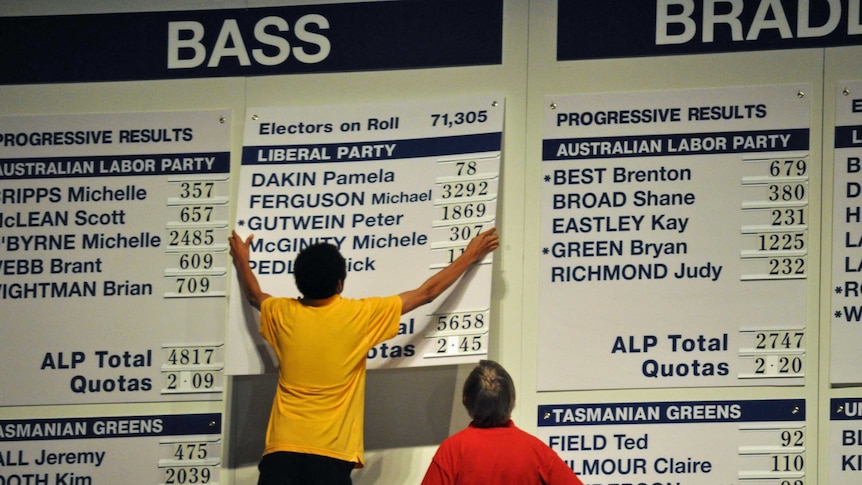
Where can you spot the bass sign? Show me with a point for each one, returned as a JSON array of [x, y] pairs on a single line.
[[270, 46]]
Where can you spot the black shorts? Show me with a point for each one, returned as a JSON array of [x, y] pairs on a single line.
[[285, 468]]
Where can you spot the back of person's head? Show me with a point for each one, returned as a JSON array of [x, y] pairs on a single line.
[[489, 395], [318, 269]]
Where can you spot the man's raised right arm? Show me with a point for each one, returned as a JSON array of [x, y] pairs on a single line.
[[239, 250], [477, 249]]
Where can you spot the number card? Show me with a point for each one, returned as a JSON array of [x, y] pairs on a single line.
[[113, 256], [675, 239], [168, 449], [847, 237], [845, 441], [399, 188], [749, 442]]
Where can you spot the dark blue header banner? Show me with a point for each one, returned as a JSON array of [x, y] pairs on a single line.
[[675, 144], [368, 151], [109, 427], [623, 28], [672, 412], [845, 409], [114, 166], [251, 42], [848, 136]]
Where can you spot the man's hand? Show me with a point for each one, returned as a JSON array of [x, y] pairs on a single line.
[[476, 249], [481, 245], [239, 249]]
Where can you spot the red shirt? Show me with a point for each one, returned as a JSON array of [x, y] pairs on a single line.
[[497, 455]]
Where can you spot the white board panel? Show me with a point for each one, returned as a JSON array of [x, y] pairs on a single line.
[[675, 242], [158, 449], [399, 188], [114, 256], [846, 360], [747, 442], [845, 440]]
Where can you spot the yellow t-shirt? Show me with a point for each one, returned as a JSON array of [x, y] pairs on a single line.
[[319, 405]]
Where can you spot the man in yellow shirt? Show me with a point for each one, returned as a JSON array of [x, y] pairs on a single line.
[[315, 431]]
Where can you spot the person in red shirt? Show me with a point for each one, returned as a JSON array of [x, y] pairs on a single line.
[[492, 449]]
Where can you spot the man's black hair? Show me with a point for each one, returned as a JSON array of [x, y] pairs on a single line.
[[318, 269]]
